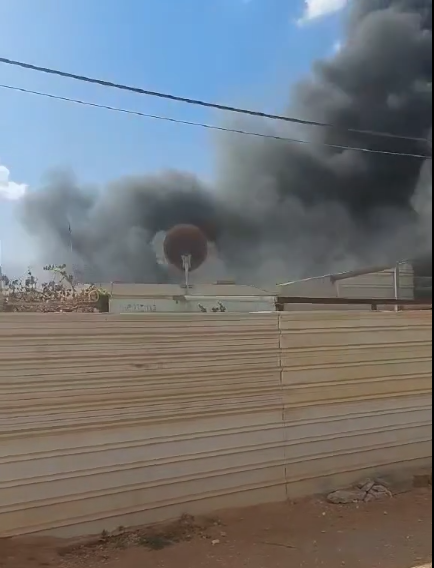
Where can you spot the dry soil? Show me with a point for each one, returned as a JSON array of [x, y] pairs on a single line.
[[390, 534]]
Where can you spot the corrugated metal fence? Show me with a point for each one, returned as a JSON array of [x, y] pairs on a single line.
[[123, 420]]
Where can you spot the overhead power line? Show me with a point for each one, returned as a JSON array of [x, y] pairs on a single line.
[[202, 103], [209, 126]]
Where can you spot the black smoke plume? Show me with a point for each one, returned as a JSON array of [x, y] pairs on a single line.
[[280, 210]]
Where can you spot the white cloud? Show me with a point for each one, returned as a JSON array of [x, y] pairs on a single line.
[[319, 8], [337, 47], [9, 189]]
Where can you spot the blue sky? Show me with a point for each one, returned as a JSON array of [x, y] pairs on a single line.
[[241, 52]]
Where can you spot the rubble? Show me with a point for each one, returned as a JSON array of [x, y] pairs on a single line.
[[366, 492], [59, 295]]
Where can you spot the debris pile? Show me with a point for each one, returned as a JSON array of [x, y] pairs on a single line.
[[60, 294], [153, 538], [365, 492]]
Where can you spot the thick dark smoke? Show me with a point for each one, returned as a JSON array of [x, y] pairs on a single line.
[[280, 210]]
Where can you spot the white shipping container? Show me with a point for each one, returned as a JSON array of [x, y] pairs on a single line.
[[171, 305], [167, 298]]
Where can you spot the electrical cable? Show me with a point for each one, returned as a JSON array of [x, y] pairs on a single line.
[[210, 126], [197, 102]]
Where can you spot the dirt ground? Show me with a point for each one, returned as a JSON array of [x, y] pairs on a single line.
[[390, 534]]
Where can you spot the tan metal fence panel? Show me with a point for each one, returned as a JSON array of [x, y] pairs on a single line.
[[108, 421], [120, 420], [357, 393], [379, 285]]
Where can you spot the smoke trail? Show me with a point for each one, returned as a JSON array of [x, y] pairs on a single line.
[[281, 210], [111, 232]]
